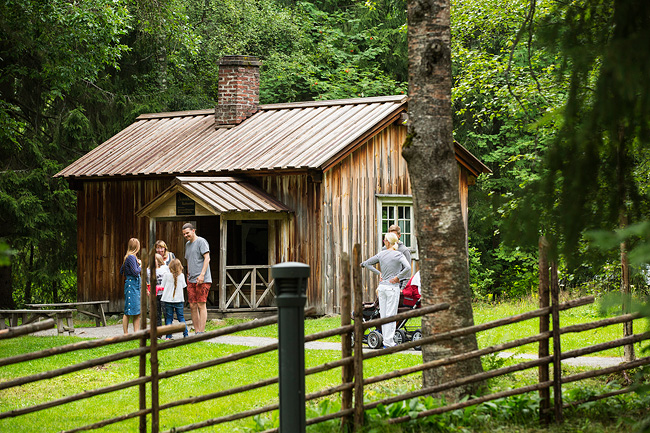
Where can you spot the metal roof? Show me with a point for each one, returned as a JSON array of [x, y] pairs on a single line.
[[220, 195], [303, 135]]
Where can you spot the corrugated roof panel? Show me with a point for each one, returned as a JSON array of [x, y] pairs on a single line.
[[230, 195], [295, 135], [353, 127]]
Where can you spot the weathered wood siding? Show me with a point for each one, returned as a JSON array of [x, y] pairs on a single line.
[[331, 215], [349, 213], [298, 238], [350, 205], [106, 220]]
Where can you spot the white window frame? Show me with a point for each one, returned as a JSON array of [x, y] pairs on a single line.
[[396, 200]]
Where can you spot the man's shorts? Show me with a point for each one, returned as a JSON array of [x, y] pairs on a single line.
[[197, 293]]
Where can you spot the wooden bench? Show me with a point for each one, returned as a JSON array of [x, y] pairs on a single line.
[[29, 316], [97, 308]]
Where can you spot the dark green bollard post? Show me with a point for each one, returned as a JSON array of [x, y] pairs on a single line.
[[291, 282]]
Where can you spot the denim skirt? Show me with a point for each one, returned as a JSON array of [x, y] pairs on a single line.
[[132, 295]]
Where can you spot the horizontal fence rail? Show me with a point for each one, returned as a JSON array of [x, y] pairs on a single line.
[[17, 331], [81, 366], [351, 412]]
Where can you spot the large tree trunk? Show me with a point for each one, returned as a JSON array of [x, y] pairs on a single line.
[[6, 288], [429, 152], [30, 269], [622, 189]]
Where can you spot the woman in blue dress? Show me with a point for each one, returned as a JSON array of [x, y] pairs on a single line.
[[131, 270]]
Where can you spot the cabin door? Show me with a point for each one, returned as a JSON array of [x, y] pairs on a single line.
[[248, 282]]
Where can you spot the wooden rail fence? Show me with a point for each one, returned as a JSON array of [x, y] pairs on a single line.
[[351, 362]]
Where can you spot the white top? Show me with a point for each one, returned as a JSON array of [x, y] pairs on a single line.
[[415, 281], [168, 284]]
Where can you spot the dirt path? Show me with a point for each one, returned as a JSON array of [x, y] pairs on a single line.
[[114, 330]]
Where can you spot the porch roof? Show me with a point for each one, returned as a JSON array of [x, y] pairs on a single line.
[[218, 195]]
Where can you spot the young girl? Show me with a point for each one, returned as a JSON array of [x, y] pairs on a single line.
[[173, 284], [131, 270], [161, 270]]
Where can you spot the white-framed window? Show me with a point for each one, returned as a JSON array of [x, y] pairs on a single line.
[[397, 209]]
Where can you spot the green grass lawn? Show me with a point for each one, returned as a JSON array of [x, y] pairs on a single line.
[[487, 312], [247, 371], [197, 383]]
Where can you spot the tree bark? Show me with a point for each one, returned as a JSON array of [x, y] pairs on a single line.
[[543, 351], [6, 288], [433, 171], [30, 269], [628, 329], [622, 189]]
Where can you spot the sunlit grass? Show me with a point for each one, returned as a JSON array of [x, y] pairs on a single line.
[[196, 383], [242, 372], [487, 312]]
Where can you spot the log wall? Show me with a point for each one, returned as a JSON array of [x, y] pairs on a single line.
[[106, 221], [298, 238], [350, 205], [349, 214]]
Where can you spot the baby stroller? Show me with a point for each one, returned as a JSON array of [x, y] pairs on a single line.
[[403, 332]]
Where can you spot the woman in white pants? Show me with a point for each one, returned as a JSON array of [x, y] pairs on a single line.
[[394, 267]]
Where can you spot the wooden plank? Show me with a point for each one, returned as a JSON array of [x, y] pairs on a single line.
[[543, 349], [223, 237], [98, 313], [358, 338], [347, 372], [6, 333], [66, 304], [557, 350]]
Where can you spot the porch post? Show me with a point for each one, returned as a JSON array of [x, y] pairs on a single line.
[[223, 225]]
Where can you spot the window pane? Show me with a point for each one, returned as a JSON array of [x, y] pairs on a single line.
[[399, 213], [384, 219]]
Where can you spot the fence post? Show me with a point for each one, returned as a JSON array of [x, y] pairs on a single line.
[[153, 329], [347, 372], [291, 281], [557, 351], [143, 341], [358, 337], [544, 301]]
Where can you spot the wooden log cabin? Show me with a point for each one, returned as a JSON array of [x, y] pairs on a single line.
[[263, 184]]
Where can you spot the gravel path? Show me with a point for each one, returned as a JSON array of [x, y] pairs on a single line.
[[114, 330]]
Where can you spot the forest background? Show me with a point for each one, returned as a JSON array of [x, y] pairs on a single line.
[[72, 74]]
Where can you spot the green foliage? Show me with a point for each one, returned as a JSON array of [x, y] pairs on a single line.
[[359, 49], [49, 50], [504, 99], [597, 164]]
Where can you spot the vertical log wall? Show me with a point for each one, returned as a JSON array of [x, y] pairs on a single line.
[[106, 220], [350, 205]]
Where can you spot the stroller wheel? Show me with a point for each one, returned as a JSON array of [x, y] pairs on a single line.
[[375, 340], [417, 335], [400, 336]]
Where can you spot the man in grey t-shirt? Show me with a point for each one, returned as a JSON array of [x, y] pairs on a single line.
[[199, 279]]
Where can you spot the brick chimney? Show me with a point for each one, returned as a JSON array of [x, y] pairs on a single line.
[[239, 89]]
